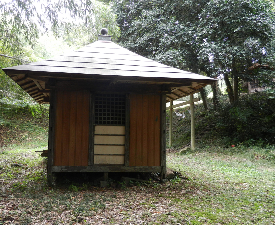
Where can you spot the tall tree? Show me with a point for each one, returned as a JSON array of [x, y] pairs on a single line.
[[239, 33], [162, 30], [217, 37]]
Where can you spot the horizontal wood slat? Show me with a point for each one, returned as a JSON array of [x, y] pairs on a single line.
[[109, 159], [119, 130], [105, 149], [109, 140], [107, 168], [109, 145]]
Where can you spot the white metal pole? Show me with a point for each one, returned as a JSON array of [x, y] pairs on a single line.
[[192, 122]]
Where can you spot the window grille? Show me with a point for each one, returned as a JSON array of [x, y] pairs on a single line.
[[110, 109]]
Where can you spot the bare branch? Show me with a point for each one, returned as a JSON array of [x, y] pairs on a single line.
[[7, 56], [15, 58]]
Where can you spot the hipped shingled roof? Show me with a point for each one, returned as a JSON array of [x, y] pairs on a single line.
[[104, 60]]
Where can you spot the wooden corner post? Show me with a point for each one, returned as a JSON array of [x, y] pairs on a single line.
[[163, 135]]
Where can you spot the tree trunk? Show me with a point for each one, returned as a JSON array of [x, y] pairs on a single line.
[[215, 94], [203, 96], [194, 68], [229, 88], [235, 81], [236, 88]]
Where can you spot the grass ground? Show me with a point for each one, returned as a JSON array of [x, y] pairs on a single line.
[[22, 128], [217, 186]]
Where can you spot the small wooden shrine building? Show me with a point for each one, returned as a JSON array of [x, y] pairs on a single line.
[[107, 107]]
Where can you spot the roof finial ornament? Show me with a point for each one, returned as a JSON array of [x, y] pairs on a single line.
[[104, 35], [104, 31]]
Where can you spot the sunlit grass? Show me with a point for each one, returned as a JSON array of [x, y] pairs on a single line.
[[217, 186], [234, 186], [23, 125], [22, 169]]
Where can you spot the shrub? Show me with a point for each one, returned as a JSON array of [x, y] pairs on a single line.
[[251, 118], [250, 121]]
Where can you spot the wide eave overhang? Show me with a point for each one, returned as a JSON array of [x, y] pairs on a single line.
[[108, 64]]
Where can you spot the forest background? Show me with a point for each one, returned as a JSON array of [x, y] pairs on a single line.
[[227, 179], [229, 40]]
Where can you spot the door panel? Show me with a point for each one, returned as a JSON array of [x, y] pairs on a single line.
[[145, 132], [71, 128]]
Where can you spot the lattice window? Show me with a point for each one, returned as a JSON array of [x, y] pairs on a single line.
[[110, 109]]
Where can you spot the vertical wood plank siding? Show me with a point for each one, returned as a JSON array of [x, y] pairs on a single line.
[[51, 137], [145, 119], [71, 128]]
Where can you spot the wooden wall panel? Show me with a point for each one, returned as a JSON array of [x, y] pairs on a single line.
[[139, 131], [157, 117], [58, 127], [79, 127], [151, 131], [133, 129], [144, 130], [64, 127], [145, 111], [71, 128], [72, 132]]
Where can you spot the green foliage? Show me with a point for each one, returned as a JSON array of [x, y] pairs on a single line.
[[238, 39], [162, 30], [12, 107], [248, 122], [73, 188], [21, 25], [17, 161], [22, 121], [17, 27], [180, 128], [251, 119], [201, 36], [87, 20], [21, 22], [230, 182]]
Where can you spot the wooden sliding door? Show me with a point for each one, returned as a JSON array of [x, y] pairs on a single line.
[[71, 143], [145, 130]]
